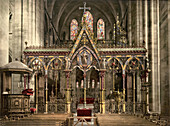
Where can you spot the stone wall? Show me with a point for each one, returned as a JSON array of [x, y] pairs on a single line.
[[26, 25], [4, 40], [165, 62]]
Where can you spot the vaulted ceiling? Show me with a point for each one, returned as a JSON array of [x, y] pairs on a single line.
[[63, 11]]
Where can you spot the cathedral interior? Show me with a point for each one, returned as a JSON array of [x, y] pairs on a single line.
[[80, 56]]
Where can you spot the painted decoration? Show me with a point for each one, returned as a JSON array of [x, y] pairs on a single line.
[[74, 29], [84, 58], [89, 20], [100, 30]]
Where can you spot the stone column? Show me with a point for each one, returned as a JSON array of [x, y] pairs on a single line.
[[137, 23], [73, 83], [129, 24], [68, 91], [36, 93], [46, 91], [146, 25], [140, 23], [10, 82], [103, 90], [134, 92], [25, 81], [124, 106], [169, 50], [84, 75], [56, 88], [29, 77], [138, 88], [100, 93], [129, 91], [113, 81], [143, 91], [155, 51], [4, 83]]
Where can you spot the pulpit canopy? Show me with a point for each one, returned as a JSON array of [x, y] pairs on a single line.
[[16, 67]]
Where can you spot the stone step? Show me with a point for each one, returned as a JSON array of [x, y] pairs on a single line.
[[122, 120], [37, 120]]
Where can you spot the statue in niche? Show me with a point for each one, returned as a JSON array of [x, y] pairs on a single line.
[[84, 57]]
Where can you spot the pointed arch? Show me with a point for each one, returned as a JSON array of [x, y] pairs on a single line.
[[100, 29], [38, 61], [131, 58], [88, 19], [73, 29]]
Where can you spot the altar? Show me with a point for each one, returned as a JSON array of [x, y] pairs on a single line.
[[88, 100], [85, 112]]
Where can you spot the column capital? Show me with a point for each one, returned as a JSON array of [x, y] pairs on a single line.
[[102, 72]]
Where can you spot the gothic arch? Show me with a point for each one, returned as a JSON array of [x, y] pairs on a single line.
[[121, 63], [40, 60], [93, 54], [53, 59], [131, 58], [73, 29], [100, 29]]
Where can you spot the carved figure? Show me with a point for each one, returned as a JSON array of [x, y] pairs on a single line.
[[84, 57]]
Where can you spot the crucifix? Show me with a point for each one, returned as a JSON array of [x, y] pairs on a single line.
[[84, 8]]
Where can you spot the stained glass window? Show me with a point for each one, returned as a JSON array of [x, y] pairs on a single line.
[[100, 29], [88, 20], [74, 29]]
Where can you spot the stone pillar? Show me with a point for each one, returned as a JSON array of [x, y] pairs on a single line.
[[164, 12], [56, 88], [73, 83], [137, 23], [124, 106], [36, 93], [143, 91], [25, 81], [168, 93], [134, 93], [155, 57], [103, 91], [100, 93], [4, 83], [129, 91], [146, 25], [28, 16], [138, 88], [10, 82], [113, 81], [140, 23], [29, 77], [46, 91], [68, 91], [84, 75], [129, 24]]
